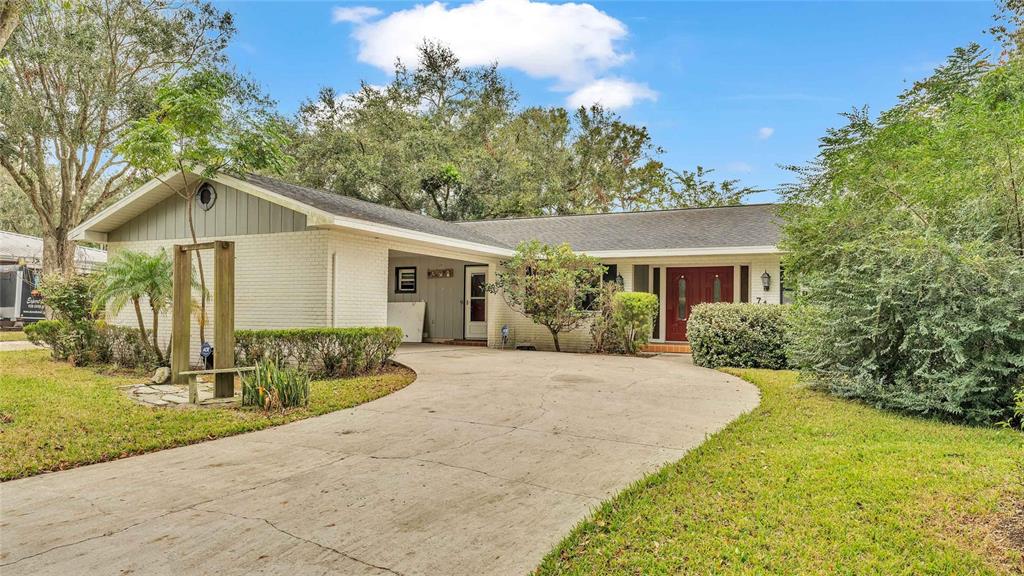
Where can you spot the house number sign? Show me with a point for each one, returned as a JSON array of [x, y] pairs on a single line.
[[441, 273]]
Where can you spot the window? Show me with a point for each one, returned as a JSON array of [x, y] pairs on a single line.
[[785, 292], [716, 292], [405, 280], [656, 289], [611, 274], [206, 196], [744, 283], [681, 309]]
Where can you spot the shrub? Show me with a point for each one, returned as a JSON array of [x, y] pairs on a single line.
[[633, 319], [601, 328], [738, 335], [47, 333], [69, 298], [919, 325], [126, 348], [322, 352], [79, 343], [623, 320], [272, 387]]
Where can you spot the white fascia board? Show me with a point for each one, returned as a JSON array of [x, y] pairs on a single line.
[[653, 253], [406, 234], [82, 231]]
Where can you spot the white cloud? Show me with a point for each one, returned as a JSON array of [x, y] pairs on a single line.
[[573, 44], [612, 93], [357, 14], [765, 132]]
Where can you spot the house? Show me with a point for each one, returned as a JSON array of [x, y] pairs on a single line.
[[21, 262], [307, 257]]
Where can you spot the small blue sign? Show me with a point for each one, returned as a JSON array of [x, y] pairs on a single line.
[[206, 350]]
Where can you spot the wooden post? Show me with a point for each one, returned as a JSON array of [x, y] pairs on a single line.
[[181, 305], [224, 322]]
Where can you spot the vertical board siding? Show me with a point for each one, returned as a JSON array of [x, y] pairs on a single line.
[[444, 296], [235, 213]]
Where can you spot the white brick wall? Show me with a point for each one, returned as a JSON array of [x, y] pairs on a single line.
[[360, 279], [339, 278], [280, 282]]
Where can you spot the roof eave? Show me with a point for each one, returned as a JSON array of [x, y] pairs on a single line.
[[406, 234], [661, 252]]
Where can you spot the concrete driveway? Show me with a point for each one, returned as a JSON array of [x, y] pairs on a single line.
[[478, 467]]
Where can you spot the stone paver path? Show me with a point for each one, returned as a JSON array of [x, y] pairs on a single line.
[[479, 467], [176, 395]]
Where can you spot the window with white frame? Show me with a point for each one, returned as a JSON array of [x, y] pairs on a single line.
[[405, 280]]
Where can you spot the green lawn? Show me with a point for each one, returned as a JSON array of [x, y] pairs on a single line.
[[12, 336], [54, 416], [810, 484]]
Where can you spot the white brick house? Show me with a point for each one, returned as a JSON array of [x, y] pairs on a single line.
[[312, 258]]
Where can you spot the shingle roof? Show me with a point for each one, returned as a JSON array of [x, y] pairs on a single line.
[[721, 227], [360, 209]]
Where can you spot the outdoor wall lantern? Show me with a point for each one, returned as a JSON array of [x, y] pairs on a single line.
[[766, 280]]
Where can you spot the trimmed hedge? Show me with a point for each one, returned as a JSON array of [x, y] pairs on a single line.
[[739, 335], [85, 343], [322, 352]]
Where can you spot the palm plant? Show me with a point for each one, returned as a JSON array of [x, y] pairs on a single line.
[[130, 276]]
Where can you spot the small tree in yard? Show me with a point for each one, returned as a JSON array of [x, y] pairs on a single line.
[[130, 276], [206, 122], [550, 285]]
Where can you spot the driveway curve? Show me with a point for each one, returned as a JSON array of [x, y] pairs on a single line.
[[478, 467]]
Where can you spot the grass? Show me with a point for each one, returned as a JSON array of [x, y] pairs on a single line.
[[810, 484], [54, 416], [18, 336]]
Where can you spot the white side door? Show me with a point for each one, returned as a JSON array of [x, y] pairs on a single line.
[[475, 303]]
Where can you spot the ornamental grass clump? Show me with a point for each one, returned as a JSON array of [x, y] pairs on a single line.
[[271, 387]]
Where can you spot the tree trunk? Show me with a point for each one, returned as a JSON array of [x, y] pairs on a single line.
[[138, 317], [58, 253], [554, 336], [189, 205], [10, 15], [156, 342]]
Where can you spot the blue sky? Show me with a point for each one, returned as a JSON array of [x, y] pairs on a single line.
[[740, 87]]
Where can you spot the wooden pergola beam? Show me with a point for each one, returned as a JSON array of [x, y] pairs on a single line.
[[224, 322], [224, 310], [181, 308]]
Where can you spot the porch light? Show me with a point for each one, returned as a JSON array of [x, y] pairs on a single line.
[[766, 280]]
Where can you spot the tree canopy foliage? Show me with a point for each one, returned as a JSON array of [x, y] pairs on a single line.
[[450, 141], [906, 237], [74, 77]]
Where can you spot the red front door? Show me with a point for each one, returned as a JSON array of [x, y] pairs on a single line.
[[687, 287]]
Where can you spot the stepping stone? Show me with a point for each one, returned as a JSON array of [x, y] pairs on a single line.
[[153, 401], [166, 388], [175, 399]]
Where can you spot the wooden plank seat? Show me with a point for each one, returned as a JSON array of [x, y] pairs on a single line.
[[193, 378]]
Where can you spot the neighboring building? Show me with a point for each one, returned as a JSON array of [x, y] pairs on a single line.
[[21, 260], [306, 257]]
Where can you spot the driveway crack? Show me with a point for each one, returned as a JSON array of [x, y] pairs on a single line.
[[307, 540], [488, 474]]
